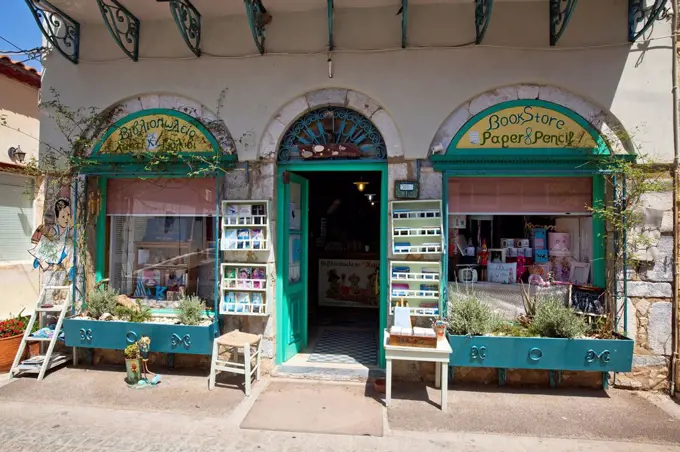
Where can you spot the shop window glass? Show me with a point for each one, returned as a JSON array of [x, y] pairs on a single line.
[[162, 239], [504, 231]]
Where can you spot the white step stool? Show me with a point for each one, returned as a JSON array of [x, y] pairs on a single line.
[[237, 343]]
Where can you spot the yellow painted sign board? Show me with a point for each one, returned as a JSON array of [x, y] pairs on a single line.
[[156, 131], [526, 126]]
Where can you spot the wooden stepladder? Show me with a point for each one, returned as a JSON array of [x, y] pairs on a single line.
[[45, 360]]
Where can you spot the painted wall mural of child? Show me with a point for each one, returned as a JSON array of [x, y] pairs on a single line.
[[53, 242]]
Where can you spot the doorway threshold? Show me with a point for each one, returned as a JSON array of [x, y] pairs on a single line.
[[300, 367]]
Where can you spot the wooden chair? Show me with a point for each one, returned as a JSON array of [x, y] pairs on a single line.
[[237, 343]]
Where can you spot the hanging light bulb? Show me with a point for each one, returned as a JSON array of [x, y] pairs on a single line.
[[361, 185], [372, 203]]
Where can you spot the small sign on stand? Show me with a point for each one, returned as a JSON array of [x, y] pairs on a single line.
[[406, 189]]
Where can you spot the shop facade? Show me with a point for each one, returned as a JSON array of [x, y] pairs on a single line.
[[415, 115]]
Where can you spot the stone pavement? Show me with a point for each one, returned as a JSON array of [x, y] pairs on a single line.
[[83, 425]]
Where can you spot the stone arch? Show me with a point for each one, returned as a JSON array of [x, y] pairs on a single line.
[[340, 97], [601, 119], [215, 125]]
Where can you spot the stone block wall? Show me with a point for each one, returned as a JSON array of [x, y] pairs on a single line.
[[649, 303]]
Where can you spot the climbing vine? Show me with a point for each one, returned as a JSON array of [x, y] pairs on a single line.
[[631, 230]]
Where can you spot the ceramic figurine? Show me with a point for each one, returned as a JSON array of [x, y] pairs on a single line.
[[144, 345], [483, 260], [521, 262]]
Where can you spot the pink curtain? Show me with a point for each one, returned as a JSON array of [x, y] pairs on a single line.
[[162, 197], [520, 194]]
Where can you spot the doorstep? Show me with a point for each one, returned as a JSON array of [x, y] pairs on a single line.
[[327, 372]]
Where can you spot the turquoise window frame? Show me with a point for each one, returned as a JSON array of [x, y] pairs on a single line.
[[531, 162], [107, 166], [102, 239]]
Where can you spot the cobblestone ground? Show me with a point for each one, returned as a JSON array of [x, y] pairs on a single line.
[[75, 419], [39, 427]]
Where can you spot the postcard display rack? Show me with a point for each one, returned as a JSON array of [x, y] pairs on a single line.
[[416, 231], [243, 285]]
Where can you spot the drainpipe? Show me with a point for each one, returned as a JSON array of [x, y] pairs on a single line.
[[676, 199]]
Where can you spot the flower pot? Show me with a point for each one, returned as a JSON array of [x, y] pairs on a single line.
[[133, 367], [9, 346], [379, 385]]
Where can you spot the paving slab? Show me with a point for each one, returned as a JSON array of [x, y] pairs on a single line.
[[106, 387], [613, 415], [87, 428], [349, 409]]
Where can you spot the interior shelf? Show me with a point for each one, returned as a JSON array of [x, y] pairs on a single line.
[[243, 289], [245, 225]]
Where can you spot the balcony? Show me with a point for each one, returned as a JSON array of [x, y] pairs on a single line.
[[66, 23]]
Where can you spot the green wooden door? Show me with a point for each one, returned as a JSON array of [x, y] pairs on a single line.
[[294, 265]]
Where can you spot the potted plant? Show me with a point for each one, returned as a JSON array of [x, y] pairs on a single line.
[[439, 325], [11, 332], [133, 363], [551, 337]]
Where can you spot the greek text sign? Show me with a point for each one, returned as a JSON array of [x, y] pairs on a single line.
[[148, 133], [526, 126]]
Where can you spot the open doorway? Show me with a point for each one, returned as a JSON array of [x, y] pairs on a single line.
[[344, 262]]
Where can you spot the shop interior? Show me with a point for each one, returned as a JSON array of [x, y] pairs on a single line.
[[161, 240], [493, 254], [344, 258]]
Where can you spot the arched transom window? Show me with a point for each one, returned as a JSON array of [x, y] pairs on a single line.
[[332, 133]]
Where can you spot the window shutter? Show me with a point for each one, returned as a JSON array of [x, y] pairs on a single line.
[[16, 217]]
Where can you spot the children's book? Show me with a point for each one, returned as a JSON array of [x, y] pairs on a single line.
[[257, 301], [230, 276], [230, 237], [245, 213], [258, 277], [242, 301], [245, 275], [231, 214], [152, 278], [244, 239], [257, 236], [229, 302], [258, 214]]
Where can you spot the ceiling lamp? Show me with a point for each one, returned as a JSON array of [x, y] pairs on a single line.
[[370, 196], [361, 185]]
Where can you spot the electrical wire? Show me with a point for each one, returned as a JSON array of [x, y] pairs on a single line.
[[469, 45], [10, 43]]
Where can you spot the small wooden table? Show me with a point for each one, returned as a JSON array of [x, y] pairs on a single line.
[[439, 355]]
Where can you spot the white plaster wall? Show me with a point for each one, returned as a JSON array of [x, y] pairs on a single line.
[[419, 88], [19, 105]]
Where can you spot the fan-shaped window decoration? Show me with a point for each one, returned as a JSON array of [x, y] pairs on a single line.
[[332, 133]]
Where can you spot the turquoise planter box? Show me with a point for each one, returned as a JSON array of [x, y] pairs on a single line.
[[596, 355], [194, 340]]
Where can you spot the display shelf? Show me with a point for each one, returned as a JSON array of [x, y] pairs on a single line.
[[397, 294], [418, 214], [417, 227], [243, 289], [418, 232], [425, 248], [245, 225], [415, 277], [416, 283]]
